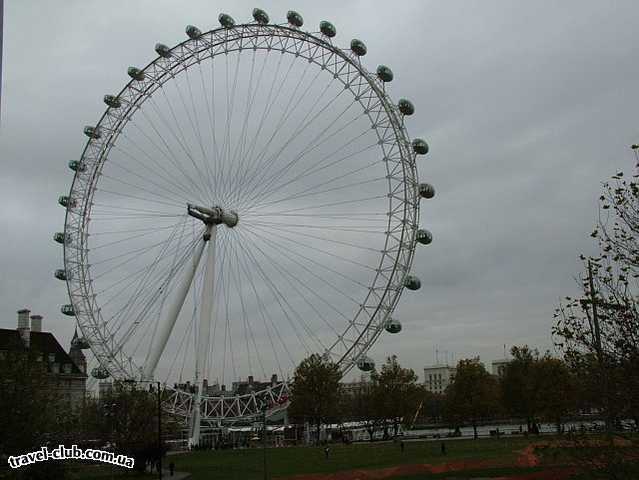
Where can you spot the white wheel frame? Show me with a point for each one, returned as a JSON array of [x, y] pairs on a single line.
[[403, 204]]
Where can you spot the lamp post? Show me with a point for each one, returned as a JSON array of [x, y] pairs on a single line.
[[108, 412], [132, 381], [264, 408]]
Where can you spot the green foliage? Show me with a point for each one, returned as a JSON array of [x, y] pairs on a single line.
[[315, 391], [398, 393], [473, 395], [535, 387], [126, 419], [32, 413], [598, 331], [391, 398]]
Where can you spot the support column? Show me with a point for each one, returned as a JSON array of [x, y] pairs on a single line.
[[168, 322], [204, 333]]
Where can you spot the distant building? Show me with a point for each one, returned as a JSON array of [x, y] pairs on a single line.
[[351, 388], [240, 387], [66, 377], [498, 367], [438, 377]]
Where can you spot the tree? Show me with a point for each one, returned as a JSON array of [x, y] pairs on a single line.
[[602, 323], [535, 387], [397, 392], [519, 385], [472, 395], [556, 384], [315, 391], [127, 420], [366, 406], [32, 412]]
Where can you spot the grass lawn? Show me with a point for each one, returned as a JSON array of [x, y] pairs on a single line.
[[281, 462]]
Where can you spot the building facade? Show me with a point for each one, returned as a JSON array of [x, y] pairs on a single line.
[[438, 377], [498, 367], [65, 378]]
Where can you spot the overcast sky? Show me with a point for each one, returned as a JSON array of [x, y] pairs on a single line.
[[527, 107]]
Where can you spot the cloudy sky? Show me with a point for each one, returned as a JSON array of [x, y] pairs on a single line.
[[527, 107]]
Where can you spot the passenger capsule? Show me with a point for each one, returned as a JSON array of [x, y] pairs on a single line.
[[405, 107], [60, 274], [328, 29], [420, 147], [60, 238], [424, 237], [92, 132], [358, 47], [100, 373], [294, 18], [426, 190], [226, 20], [162, 50], [77, 166], [112, 101], [193, 32], [384, 73], [365, 364], [68, 310], [412, 283], [393, 326], [67, 201], [260, 16], [135, 73]]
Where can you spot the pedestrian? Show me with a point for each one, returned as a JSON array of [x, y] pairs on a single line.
[[401, 446], [171, 468], [326, 451], [443, 448]]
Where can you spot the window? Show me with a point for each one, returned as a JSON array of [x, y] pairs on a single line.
[[51, 357]]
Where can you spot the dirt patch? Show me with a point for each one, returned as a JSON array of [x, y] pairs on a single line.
[[401, 470], [527, 458]]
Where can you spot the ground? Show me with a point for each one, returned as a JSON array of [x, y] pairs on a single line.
[[506, 458]]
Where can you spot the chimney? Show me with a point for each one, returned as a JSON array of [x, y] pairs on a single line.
[[23, 326], [36, 323], [274, 379], [250, 379]]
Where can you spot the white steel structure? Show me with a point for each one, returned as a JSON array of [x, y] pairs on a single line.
[[248, 198]]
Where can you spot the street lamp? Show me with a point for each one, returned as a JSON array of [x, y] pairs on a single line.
[[264, 408], [150, 382]]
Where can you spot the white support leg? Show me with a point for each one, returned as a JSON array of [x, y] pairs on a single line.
[[168, 322], [203, 334]]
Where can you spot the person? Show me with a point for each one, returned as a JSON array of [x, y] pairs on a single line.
[[326, 451], [443, 448], [171, 468], [401, 445]]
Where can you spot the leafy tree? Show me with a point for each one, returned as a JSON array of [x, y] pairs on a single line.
[[557, 387], [519, 385], [127, 420], [397, 394], [366, 406], [32, 413], [473, 394], [602, 323], [316, 391], [538, 387]]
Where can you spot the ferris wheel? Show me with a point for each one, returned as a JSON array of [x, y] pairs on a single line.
[[248, 198]]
